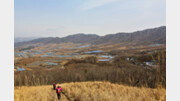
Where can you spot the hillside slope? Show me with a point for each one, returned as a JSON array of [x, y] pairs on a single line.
[[148, 36], [77, 38], [89, 91]]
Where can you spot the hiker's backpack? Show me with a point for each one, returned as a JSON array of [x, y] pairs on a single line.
[[59, 90]]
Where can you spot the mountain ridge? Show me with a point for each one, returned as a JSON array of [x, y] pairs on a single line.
[[151, 35]]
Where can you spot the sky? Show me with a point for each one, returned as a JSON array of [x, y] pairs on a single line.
[[59, 18]]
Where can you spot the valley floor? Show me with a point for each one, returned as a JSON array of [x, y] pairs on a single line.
[[89, 91]]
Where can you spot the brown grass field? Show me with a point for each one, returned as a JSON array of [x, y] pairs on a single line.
[[90, 91]]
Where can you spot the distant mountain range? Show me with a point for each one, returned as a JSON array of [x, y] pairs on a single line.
[[22, 39], [147, 36]]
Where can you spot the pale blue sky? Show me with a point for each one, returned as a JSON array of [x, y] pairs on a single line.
[[44, 18]]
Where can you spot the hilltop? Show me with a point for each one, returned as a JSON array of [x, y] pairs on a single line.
[[147, 36], [90, 91]]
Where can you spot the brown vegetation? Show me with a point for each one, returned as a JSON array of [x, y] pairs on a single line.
[[119, 71], [90, 91]]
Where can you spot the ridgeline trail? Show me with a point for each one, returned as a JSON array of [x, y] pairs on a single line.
[[89, 91], [64, 96]]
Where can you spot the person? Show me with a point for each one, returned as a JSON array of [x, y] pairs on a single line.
[[54, 86], [58, 91]]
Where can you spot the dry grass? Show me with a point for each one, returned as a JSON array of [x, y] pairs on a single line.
[[90, 91]]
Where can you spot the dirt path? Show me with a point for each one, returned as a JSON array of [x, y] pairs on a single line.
[[64, 96], [89, 91]]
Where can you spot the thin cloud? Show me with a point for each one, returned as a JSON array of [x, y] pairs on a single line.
[[91, 4]]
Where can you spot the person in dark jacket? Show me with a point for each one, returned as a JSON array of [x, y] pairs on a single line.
[[54, 86], [58, 91]]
